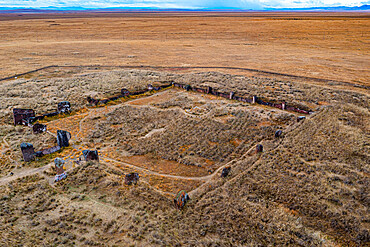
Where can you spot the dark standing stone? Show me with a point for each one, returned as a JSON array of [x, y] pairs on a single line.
[[64, 107], [28, 151], [259, 148], [131, 178], [38, 128], [209, 90], [22, 116], [187, 87], [225, 172], [90, 155], [63, 138], [278, 133]]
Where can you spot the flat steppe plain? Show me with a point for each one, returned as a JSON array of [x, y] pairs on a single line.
[[324, 45], [310, 187]]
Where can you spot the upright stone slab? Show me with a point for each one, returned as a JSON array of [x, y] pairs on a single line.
[[283, 106], [63, 138], [90, 155], [231, 95], [22, 116], [209, 90], [59, 168], [259, 148], [28, 151], [64, 107]]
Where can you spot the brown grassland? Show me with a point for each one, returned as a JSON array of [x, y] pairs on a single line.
[[309, 187]]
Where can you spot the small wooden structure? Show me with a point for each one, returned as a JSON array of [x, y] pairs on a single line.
[[90, 155], [131, 178], [22, 116], [181, 199], [28, 151]]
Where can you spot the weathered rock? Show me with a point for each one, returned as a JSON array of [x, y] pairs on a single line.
[[64, 107], [28, 151], [63, 138], [90, 155], [131, 178], [38, 128], [125, 92], [39, 154]]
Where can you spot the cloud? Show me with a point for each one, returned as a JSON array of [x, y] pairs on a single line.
[[240, 4]]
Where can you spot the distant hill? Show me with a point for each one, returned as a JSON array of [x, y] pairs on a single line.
[[52, 9]]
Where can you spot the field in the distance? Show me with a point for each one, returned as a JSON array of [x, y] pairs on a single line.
[[324, 45]]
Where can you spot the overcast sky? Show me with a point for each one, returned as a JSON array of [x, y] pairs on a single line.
[[242, 4]]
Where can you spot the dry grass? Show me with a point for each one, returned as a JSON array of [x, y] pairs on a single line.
[[325, 45]]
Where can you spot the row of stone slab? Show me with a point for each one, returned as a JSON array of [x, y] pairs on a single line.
[[28, 116], [234, 96], [126, 93]]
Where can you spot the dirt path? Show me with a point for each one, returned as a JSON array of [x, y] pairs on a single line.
[[23, 173]]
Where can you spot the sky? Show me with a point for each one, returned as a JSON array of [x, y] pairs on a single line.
[[191, 4]]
